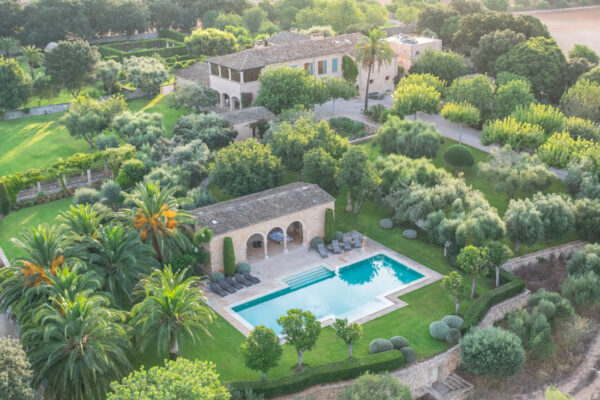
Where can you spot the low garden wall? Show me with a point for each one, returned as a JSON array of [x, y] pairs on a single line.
[[125, 38], [564, 250], [29, 112]]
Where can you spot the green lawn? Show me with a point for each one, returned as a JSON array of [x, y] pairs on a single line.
[[13, 224]]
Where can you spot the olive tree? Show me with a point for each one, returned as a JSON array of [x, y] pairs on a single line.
[[523, 223], [492, 352], [71, 65], [145, 73], [472, 260], [301, 330]]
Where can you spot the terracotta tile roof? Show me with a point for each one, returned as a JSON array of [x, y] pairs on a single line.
[[249, 114], [261, 57], [259, 207]]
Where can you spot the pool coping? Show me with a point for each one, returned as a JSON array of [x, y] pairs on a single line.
[[390, 299]]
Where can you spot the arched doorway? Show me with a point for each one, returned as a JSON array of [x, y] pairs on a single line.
[[255, 248], [225, 100], [235, 103], [276, 242], [295, 234]]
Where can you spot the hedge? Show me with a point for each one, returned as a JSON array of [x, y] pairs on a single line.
[[326, 373], [329, 226], [166, 34], [4, 199], [119, 51], [481, 306], [228, 257]]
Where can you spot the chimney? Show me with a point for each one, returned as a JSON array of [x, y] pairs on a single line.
[[317, 36], [293, 30], [260, 44]]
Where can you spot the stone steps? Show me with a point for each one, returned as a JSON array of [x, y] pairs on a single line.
[[453, 387]]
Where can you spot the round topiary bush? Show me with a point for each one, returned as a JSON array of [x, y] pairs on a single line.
[[86, 195], [314, 242], [458, 156], [453, 336], [399, 342], [453, 321], [410, 356], [438, 330], [216, 277], [243, 267], [386, 223], [339, 236], [380, 345], [493, 352], [409, 234]]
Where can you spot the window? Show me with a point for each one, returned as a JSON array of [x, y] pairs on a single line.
[[235, 75], [322, 67], [251, 75], [334, 65], [214, 69], [371, 81], [224, 72], [309, 68], [387, 78]]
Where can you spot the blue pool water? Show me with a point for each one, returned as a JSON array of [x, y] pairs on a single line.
[[350, 292]]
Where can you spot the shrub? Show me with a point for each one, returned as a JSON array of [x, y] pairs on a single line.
[[438, 330], [414, 139], [458, 156], [339, 236], [380, 345], [371, 386], [103, 142], [492, 352], [228, 257], [216, 277], [374, 112], [409, 234], [131, 172], [399, 342], [551, 119], [85, 195], [314, 242], [582, 290], [453, 321], [409, 354], [347, 127], [512, 132], [244, 267], [111, 191], [4, 199], [333, 372], [15, 371], [329, 226], [453, 336], [386, 223]]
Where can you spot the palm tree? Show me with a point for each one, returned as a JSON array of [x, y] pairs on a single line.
[[158, 220], [173, 308], [373, 49], [121, 259], [32, 56], [8, 44], [83, 220], [77, 347]]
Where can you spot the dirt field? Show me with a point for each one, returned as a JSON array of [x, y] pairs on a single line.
[[573, 26]]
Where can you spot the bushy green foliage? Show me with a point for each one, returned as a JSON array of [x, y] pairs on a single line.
[[461, 113], [334, 372], [582, 51], [145, 73], [411, 98], [492, 352], [250, 164], [453, 336], [85, 195], [453, 321], [414, 139], [347, 127], [349, 69], [510, 96], [4, 199], [585, 260], [459, 156], [582, 100], [329, 226], [409, 354], [493, 45], [399, 342], [314, 242], [210, 42], [557, 214], [386, 223], [380, 345], [189, 379], [13, 85], [376, 387], [587, 219], [438, 330], [320, 167], [197, 97], [580, 127], [582, 290], [104, 142], [130, 173], [139, 128], [71, 64], [549, 118], [262, 350], [111, 191], [477, 91], [446, 65], [228, 257], [561, 149], [216, 277], [301, 330], [425, 79], [524, 223], [512, 132], [210, 128], [15, 370]]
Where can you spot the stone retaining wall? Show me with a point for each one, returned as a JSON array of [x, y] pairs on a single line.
[[564, 250], [43, 110], [498, 311]]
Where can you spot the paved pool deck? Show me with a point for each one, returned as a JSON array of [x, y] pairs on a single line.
[[273, 270]]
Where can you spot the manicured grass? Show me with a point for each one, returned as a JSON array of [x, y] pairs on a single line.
[[14, 223], [160, 104]]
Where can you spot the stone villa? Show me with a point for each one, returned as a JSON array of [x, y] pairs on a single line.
[[265, 224]]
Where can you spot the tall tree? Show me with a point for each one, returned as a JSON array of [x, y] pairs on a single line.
[[477, 91], [32, 56], [523, 223], [453, 284], [77, 347], [497, 254], [71, 64], [582, 100], [358, 175], [283, 88], [510, 96], [472, 260], [13, 85], [461, 113], [262, 350], [371, 50], [196, 97], [411, 98], [8, 45], [174, 308], [493, 45], [339, 89], [301, 330], [349, 333]]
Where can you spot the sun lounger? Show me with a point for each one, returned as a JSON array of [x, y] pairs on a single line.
[[336, 246], [356, 241], [233, 283], [347, 244], [216, 289], [251, 278], [240, 278], [225, 286], [322, 251]]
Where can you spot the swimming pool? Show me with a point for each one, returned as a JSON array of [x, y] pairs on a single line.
[[352, 292]]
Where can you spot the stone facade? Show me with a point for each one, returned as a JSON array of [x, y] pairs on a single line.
[[312, 221], [408, 49]]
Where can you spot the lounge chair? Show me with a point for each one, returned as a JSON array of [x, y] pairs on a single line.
[[251, 278], [336, 246], [322, 251], [225, 286], [356, 241], [347, 244], [216, 289], [233, 283], [240, 278]]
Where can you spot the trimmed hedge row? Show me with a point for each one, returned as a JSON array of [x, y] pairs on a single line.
[[333, 372], [119, 51], [475, 313], [166, 34]]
